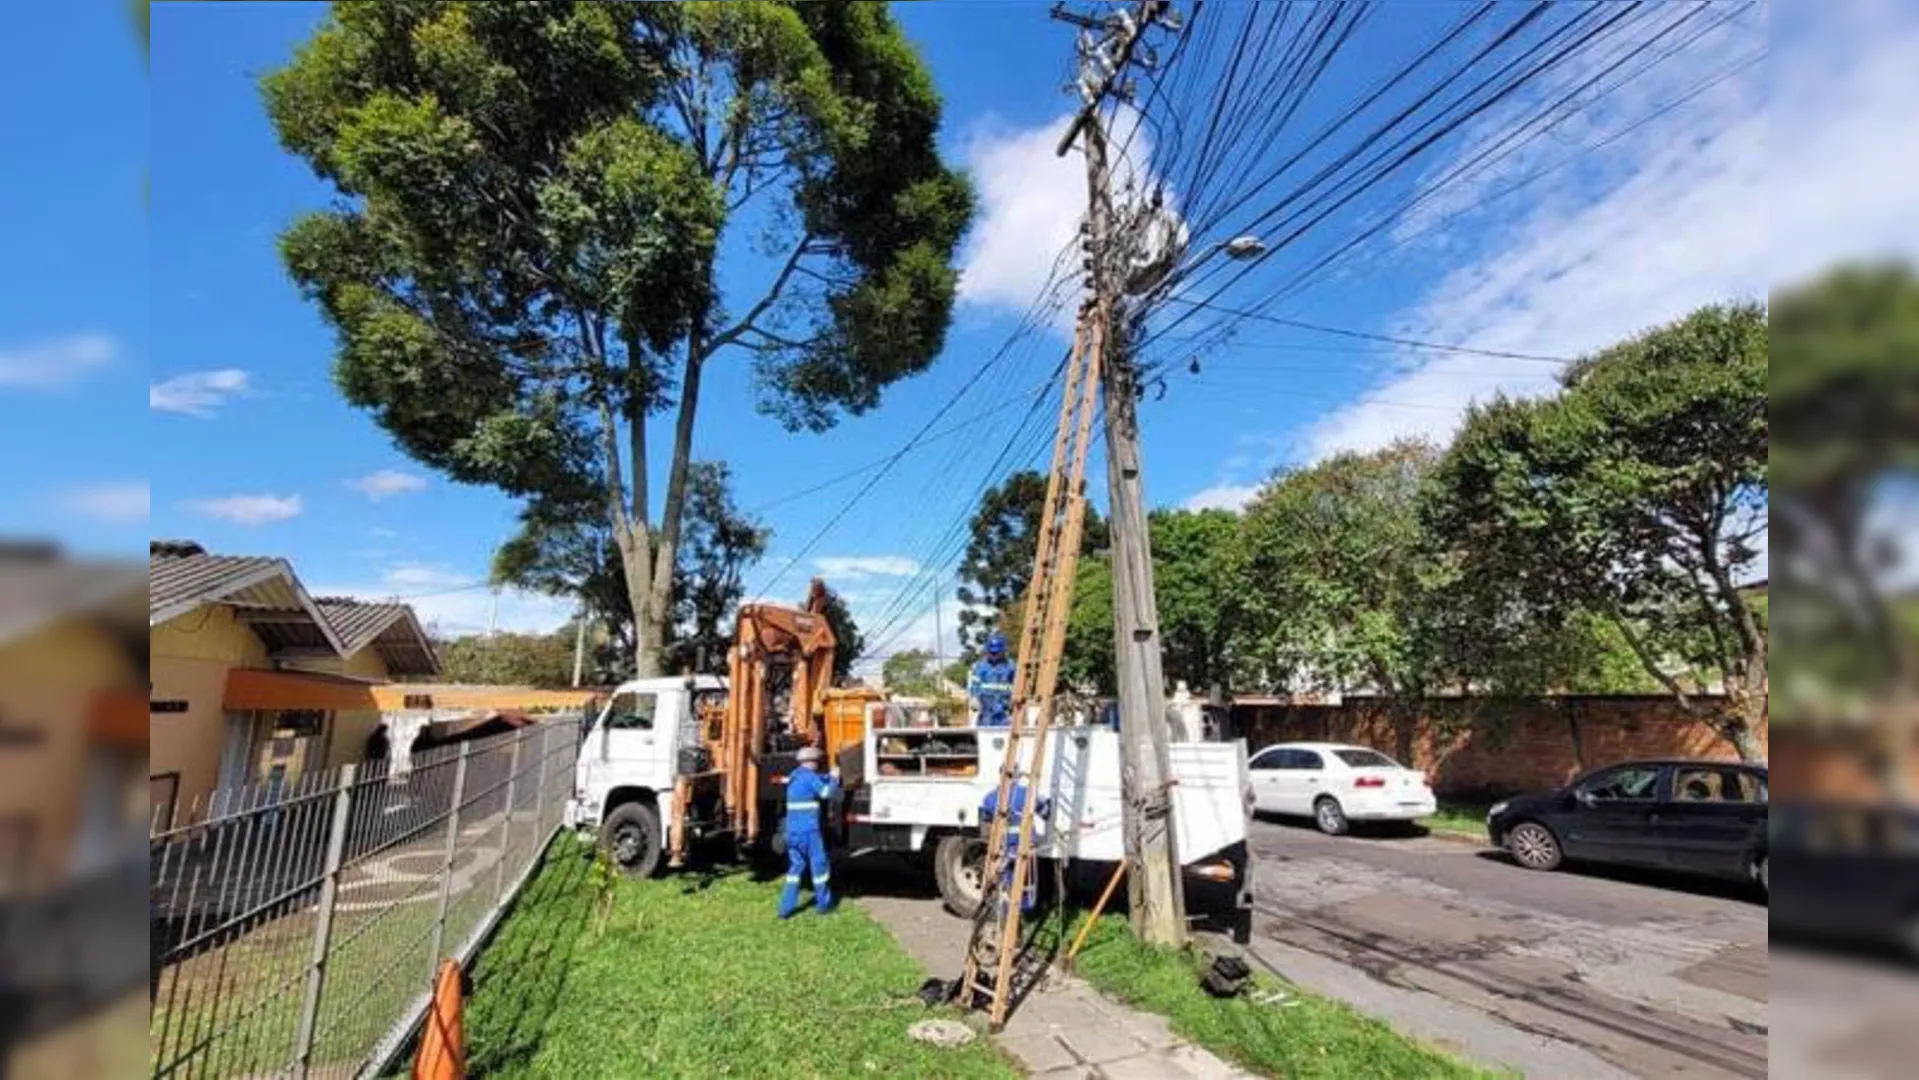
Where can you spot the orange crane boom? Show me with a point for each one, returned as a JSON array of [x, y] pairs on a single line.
[[771, 636]]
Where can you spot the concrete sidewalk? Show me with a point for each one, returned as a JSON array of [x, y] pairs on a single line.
[[1063, 1029]]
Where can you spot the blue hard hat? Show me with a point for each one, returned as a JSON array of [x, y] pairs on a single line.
[[996, 642]]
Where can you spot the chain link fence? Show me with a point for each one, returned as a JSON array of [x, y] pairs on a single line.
[[296, 929]]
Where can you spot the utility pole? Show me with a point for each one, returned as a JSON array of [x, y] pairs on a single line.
[[1154, 882], [579, 645]]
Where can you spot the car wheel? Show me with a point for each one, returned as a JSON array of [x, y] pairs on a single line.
[[958, 864], [632, 839], [1762, 873], [1330, 818], [1534, 846]]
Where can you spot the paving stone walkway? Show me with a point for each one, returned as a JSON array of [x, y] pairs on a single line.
[[1065, 1028]]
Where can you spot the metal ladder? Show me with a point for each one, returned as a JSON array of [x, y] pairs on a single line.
[[993, 951]]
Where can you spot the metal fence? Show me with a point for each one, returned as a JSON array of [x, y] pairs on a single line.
[[296, 930]]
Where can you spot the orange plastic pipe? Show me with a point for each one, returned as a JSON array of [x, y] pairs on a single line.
[[442, 1053]]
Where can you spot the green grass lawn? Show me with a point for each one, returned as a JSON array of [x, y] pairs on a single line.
[[1300, 1037], [1459, 819], [690, 976]]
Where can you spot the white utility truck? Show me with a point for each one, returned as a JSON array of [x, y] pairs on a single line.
[[908, 788]]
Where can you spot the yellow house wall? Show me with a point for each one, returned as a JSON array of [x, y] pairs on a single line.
[[350, 729], [47, 687], [190, 658]]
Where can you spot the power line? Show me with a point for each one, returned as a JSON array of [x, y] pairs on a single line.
[[1388, 339]]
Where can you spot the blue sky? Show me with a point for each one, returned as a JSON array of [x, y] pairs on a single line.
[[247, 447]]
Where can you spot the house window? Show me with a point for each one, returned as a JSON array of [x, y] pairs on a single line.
[[299, 723]]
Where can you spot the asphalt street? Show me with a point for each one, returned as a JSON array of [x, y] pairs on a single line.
[[1572, 974]]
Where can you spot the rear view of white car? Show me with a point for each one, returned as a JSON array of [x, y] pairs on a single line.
[[1336, 785]]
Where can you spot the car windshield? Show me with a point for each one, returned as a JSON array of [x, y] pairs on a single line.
[[1366, 759]]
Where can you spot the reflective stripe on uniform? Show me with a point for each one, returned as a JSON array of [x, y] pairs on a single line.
[[821, 880], [804, 804], [1002, 687], [792, 879]]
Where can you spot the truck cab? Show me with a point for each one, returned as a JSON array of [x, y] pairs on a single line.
[[648, 735]]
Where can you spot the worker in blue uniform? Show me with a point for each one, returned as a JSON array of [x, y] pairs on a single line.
[[991, 684], [1015, 811], [807, 793]]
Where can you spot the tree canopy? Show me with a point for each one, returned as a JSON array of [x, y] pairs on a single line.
[[1334, 577], [1845, 451], [849, 642], [539, 202], [912, 673], [1638, 493], [543, 660], [578, 559], [1003, 539]]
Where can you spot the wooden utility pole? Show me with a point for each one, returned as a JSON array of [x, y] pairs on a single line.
[[579, 644], [1154, 883]]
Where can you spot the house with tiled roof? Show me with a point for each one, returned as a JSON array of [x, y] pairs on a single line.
[[256, 682]]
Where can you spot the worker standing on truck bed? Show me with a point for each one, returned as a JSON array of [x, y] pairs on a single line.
[[807, 793], [991, 684], [1014, 813]]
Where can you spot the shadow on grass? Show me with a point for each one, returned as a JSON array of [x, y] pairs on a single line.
[[518, 980]]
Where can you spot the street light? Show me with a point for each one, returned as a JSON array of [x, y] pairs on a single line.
[[1243, 247]]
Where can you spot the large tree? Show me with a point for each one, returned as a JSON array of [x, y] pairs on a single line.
[[718, 544], [1845, 414], [1195, 559], [1002, 542], [544, 660], [1334, 580], [849, 644], [1193, 552], [578, 558], [912, 673], [539, 203], [1638, 493]]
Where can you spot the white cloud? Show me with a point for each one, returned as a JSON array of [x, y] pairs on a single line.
[[1712, 202], [412, 577], [387, 483], [250, 509], [56, 363], [1666, 219], [453, 603], [1843, 154], [1232, 497], [379, 533], [1030, 203], [130, 501], [197, 393], [864, 566]]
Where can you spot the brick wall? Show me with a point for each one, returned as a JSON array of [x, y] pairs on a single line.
[[1494, 747], [1842, 765]]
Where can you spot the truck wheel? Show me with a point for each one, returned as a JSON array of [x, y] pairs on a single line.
[[957, 864], [632, 838]]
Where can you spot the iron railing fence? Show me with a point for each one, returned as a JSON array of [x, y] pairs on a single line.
[[296, 929]]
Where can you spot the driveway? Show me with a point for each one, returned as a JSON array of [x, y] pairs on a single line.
[[1573, 974]]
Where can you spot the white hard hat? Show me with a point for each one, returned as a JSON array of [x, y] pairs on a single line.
[[809, 754]]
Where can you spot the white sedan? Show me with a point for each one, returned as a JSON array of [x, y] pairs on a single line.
[[1335, 784]]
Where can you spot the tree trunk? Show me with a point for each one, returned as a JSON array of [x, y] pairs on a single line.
[[1741, 725], [636, 566]]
